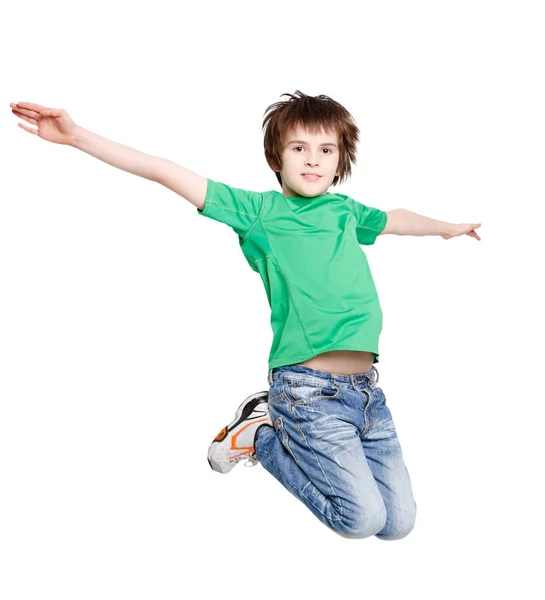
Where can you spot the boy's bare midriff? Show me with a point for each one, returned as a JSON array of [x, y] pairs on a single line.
[[344, 362]]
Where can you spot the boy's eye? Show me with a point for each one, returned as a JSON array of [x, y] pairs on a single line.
[[328, 149]]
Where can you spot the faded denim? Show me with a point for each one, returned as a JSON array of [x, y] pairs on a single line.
[[334, 446]]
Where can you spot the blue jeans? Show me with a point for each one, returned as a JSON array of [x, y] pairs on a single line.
[[334, 446]]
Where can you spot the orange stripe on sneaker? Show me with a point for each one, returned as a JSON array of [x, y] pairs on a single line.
[[234, 438]]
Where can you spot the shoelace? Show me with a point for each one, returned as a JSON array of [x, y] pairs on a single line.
[[252, 459]]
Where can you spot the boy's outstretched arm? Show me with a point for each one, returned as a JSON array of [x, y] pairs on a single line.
[[184, 182], [55, 125], [405, 222]]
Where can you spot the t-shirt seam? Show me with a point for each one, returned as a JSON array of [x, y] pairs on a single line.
[[205, 208], [240, 212], [379, 228], [341, 347], [233, 210], [289, 292], [264, 258], [258, 216], [382, 222]]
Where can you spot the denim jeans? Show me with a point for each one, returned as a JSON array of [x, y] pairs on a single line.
[[334, 446]]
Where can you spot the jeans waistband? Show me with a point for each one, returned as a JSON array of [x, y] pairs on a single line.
[[304, 373]]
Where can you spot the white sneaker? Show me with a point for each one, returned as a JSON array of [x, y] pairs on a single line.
[[236, 440]]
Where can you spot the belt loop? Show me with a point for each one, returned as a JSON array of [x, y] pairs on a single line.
[[269, 377]]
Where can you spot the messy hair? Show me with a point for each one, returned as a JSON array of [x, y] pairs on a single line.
[[313, 113]]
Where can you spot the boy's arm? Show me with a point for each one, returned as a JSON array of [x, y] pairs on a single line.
[[404, 222], [184, 182]]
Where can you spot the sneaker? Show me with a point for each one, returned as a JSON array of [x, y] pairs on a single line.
[[236, 440]]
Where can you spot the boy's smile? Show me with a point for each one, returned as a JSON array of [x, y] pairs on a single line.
[[309, 162]]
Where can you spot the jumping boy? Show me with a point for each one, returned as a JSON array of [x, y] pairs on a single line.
[[323, 428]]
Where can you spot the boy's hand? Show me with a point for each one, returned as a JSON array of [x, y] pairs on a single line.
[[461, 229], [54, 124]]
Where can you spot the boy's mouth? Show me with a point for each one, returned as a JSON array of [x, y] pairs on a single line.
[[310, 176]]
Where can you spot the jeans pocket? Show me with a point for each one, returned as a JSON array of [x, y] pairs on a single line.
[[276, 392], [303, 393]]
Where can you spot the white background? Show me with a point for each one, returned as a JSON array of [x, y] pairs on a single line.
[[131, 329]]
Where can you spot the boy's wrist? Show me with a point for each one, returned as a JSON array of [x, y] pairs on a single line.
[[78, 136], [449, 229]]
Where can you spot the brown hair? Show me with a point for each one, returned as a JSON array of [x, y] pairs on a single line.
[[314, 113]]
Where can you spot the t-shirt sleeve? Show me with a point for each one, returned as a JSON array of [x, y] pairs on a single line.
[[233, 206], [369, 222]]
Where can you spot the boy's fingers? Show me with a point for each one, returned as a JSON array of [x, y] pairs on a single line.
[[36, 107], [25, 111], [29, 129], [22, 116]]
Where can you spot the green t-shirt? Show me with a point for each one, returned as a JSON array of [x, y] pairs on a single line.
[[316, 276]]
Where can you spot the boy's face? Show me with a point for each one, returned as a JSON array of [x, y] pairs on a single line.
[[305, 152]]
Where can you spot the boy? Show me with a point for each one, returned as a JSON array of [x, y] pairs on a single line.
[[323, 428]]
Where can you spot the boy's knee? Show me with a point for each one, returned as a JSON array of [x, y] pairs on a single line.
[[363, 528], [399, 532]]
